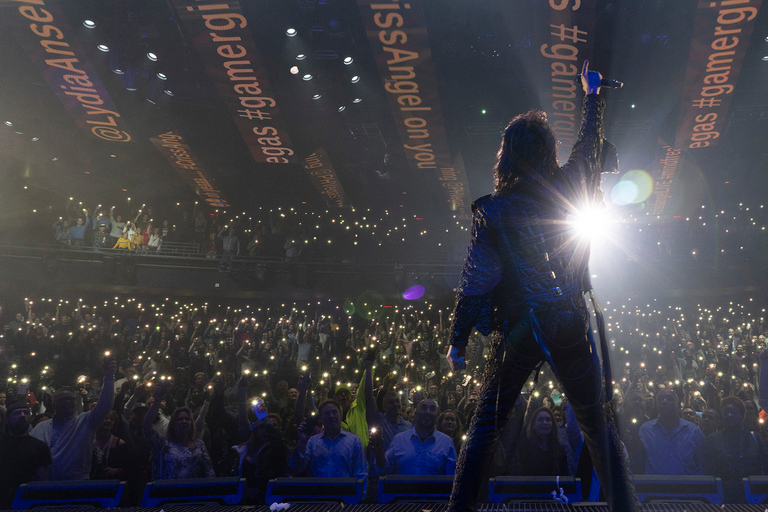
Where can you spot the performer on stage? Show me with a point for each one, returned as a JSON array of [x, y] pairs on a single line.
[[524, 280]]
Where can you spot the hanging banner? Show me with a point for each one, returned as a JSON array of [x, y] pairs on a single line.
[[721, 36], [172, 146], [570, 40], [320, 171], [221, 34], [400, 44], [48, 39]]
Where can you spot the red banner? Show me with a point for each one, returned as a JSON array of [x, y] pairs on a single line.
[[223, 40], [172, 146], [48, 40], [320, 171], [400, 44]]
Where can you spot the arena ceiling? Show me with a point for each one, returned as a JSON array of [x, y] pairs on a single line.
[[241, 103]]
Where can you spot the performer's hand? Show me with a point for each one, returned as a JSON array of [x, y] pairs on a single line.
[[590, 80], [457, 357]]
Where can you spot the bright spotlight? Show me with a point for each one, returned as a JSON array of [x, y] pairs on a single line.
[[307, 77], [589, 222], [342, 108], [152, 56], [89, 23], [291, 32], [103, 48], [316, 97], [355, 79], [348, 60], [294, 70], [357, 100], [162, 76], [301, 56]]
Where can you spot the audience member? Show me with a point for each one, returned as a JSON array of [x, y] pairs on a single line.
[[69, 435], [671, 445], [541, 452], [23, 457]]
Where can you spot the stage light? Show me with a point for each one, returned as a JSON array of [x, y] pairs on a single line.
[[342, 108], [414, 292], [348, 60], [291, 32], [355, 79], [162, 76], [357, 100], [765, 58], [168, 92], [294, 70], [89, 23], [301, 56], [589, 222], [102, 48], [317, 96], [307, 77], [118, 71], [151, 56], [8, 123]]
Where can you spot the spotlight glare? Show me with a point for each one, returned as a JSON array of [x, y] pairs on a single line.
[[162, 76], [151, 56], [8, 123], [589, 222], [291, 32], [342, 108], [307, 77], [765, 58], [89, 23], [118, 71], [102, 48], [357, 100], [294, 70], [301, 56], [168, 92], [317, 97], [348, 60], [355, 79]]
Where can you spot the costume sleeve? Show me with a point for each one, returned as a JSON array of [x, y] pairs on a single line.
[[585, 163], [481, 273]]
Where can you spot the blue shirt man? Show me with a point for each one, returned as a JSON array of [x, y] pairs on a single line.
[[419, 451], [672, 446], [332, 454]]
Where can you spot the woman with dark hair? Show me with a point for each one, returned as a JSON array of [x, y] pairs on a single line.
[[449, 423], [262, 458], [110, 453], [178, 454], [542, 454]]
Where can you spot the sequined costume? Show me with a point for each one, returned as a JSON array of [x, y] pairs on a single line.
[[524, 281]]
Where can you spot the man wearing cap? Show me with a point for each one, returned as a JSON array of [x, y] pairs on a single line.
[[25, 458], [70, 436]]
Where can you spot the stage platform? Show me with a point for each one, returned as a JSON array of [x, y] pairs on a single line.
[[435, 507]]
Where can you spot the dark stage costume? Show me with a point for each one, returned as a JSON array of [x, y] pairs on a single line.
[[524, 281]]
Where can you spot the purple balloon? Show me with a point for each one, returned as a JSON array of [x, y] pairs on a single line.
[[414, 292]]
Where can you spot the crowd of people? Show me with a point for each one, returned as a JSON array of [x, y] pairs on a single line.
[[738, 233], [122, 390]]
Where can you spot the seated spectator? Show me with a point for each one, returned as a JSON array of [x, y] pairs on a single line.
[[734, 452], [540, 453], [671, 445], [179, 453], [24, 458], [69, 435], [110, 453], [331, 454], [423, 450]]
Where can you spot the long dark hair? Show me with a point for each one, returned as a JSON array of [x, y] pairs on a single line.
[[528, 150], [554, 448], [171, 434]]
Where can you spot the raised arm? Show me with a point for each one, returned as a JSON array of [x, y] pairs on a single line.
[[107, 396]]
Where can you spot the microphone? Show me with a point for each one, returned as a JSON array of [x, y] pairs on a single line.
[[608, 84]]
